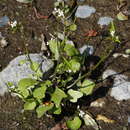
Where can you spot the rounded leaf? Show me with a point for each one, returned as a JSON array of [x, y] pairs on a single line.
[[57, 96], [25, 93], [53, 45], [26, 82], [39, 93], [74, 124], [87, 87], [30, 105], [36, 68], [70, 50], [75, 95], [57, 111], [73, 27], [42, 109], [75, 66]]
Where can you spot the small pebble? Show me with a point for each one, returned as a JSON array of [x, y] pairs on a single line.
[[61, 37], [3, 43], [105, 20], [115, 55], [129, 119], [84, 11], [98, 103], [4, 21], [87, 49]]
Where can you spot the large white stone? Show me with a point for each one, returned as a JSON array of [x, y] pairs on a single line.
[[121, 86], [16, 71]]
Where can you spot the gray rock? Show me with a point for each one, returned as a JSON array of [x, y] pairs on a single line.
[[129, 119], [105, 20], [108, 73], [89, 50], [16, 71], [121, 86], [4, 21], [61, 37], [84, 11], [3, 41]]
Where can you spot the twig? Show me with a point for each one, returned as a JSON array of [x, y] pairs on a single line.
[[88, 73], [39, 16]]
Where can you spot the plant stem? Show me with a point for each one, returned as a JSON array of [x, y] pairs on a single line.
[[89, 73]]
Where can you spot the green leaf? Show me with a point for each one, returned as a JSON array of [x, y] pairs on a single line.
[[74, 124], [30, 105], [39, 93], [112, 29], [60, 68], [116, 39], [79, 84], [75, 95], [57, 111], [47, 83], [9, 84], [36, 68], [75, 66], [73, 27], [26, 82], [53, 45], [22, 62], [42, 109], [127, 51], [70, 50], [57, 96], [87, 87], [24, 1], [25, 93]]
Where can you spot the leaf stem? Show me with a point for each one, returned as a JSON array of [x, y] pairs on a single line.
[[89, 73]]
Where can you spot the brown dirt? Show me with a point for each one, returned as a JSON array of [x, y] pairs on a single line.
[[27, 37]]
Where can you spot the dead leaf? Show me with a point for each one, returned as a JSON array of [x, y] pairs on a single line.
[[122, 16], [43, 46], [105, 119], [91, 33], [98, 103], [89, 121]]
